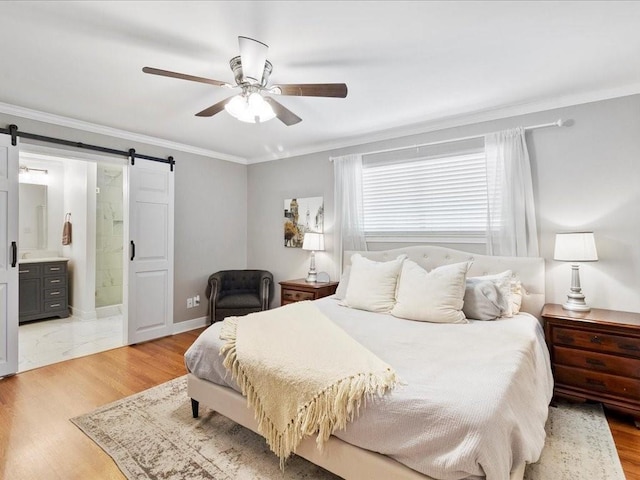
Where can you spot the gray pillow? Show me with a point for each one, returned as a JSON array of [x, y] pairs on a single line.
[[483, 300]]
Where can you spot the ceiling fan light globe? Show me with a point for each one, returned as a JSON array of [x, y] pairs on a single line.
[[255, 102], [266, 112], [236, 106]]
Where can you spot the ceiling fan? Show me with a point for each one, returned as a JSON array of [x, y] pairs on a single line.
[[251, 70]]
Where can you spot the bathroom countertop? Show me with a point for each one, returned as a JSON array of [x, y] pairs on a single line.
[[43, 260]]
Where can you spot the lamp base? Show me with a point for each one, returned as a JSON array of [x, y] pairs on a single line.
[[312, 277], [576, 307], [575, 301], [575, 298]]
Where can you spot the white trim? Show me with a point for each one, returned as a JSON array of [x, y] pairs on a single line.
[[82, 314], [429, 126], [113, 132], [189, 325], [426, 126], [108, 311]]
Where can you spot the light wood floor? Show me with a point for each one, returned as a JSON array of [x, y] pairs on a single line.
[[37, 440]]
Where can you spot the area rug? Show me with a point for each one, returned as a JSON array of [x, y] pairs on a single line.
[[153, 436]]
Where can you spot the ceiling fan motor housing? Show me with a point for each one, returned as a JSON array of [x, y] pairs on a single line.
[[236, 67]]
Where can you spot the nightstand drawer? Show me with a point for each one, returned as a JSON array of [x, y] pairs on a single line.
[[597, 341], [296, 296], [597, 382], [626, 367]]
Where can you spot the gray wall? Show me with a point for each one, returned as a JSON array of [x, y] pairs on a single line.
[[586, 177], [210, 210]]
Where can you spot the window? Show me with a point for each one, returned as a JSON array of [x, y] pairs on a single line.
[[436, 195]]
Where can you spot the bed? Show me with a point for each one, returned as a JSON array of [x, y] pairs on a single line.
[[451, 422]]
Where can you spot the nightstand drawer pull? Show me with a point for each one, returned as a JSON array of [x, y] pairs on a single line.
[[595, 383], [598, 363], [565, 339], [628, 346], [596, 339]]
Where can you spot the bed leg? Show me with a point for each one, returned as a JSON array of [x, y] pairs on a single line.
[[194, 407]]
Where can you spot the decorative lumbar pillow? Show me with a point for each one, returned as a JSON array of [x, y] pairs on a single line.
[[372, 285], [502, 282], [435, 296], [483, 300], [516, 296]]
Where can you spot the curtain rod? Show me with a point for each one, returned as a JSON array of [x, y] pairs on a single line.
[[131, 153], [557, 123]]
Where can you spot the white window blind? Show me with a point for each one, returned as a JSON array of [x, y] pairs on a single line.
[[442, 195]]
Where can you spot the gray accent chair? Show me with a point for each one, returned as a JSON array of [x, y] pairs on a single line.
[[238, 292]]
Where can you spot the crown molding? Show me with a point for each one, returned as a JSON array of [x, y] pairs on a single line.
[[114, 132], [458, 121]]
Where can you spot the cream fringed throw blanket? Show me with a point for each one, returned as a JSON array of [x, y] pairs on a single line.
[[300, 372]]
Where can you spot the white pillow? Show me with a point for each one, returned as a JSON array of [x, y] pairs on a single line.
[[341, 291], [372, 285], [511, 288], [435, 296]]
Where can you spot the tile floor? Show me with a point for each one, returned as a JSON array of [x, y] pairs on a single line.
[[50, 341]]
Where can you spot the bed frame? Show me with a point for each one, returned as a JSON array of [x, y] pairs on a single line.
[[346, 460]]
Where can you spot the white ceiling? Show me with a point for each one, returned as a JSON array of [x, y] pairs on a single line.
[[406, 64]]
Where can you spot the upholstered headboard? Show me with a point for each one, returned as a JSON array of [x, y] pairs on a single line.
[[530, 270]]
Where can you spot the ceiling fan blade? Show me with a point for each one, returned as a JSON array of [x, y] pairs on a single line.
[[213, 109], [338, 90], [167, 73], [253, 55], [285, 115]]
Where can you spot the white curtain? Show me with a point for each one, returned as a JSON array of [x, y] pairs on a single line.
[[348, 214], [511, 218]]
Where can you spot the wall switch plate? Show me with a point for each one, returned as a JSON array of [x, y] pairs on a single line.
[[196, 300], [189, 302]]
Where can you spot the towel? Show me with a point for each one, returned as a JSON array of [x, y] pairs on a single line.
[[66, 230], [301, 373]]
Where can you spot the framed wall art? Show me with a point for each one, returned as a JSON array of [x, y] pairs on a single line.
[[302, 215]]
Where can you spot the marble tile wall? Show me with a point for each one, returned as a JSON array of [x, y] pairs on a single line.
[[109, 239]]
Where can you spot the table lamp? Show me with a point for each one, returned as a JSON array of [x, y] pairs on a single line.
[[314, 242], [575, 247]]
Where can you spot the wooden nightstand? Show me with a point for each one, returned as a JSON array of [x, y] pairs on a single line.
[[595, 356], [297, 290]]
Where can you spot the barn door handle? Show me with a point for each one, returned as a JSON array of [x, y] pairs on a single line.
[[14, 254], [133, 250]]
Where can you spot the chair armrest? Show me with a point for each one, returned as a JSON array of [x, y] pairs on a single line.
[[213, 292], [266, 289]]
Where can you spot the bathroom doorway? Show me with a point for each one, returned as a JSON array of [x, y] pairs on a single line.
[[90, 195]]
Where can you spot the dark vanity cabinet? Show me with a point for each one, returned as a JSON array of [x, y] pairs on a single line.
[[43, 290]]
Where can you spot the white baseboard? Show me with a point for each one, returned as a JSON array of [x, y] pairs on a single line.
[[108, 311], [182, 327], [82, 314]]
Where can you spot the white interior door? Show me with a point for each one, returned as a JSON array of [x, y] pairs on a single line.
[[150, 281], [8, 256]]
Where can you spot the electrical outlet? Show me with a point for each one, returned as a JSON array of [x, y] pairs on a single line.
[[196, 300], [189, 302]]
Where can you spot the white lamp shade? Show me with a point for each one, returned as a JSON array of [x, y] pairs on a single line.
[[575, 247], [313, 241]]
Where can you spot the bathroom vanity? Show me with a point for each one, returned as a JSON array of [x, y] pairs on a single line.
[[43, 288]]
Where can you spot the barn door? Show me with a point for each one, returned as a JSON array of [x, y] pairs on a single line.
[[8, 256], [150, 256]]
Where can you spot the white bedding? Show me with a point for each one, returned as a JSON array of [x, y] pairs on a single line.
[[474, 400]]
